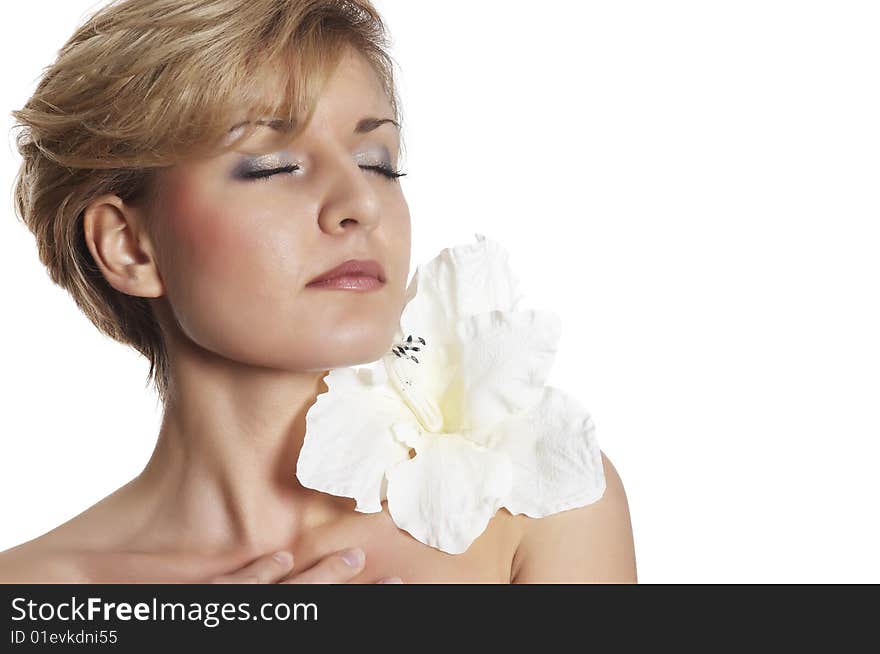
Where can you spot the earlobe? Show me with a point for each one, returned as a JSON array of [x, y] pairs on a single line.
[[121, 248]]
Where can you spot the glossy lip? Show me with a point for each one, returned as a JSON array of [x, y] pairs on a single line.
[[350, 283], [354, 273]]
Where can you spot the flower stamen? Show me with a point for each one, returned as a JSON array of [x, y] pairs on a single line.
[[401, 348], [401, 378]]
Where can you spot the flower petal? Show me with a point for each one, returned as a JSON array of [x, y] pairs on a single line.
[[461, 280], [504, 362], [348, 443], [555, 457], [446, 495]]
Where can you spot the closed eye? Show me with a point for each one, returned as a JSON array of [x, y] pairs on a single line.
[[386, 171]]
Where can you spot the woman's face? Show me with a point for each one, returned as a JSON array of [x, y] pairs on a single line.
[[236, 254]]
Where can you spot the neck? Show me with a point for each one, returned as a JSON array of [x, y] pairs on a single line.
[[222, 477]]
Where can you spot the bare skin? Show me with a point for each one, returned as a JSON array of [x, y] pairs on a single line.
[[225, 263], [591, 544]]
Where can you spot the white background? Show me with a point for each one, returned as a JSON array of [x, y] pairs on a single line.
[[691, 186]]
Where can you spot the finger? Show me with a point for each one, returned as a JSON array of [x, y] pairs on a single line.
[[265, 570], [390, 580], [337, 568]]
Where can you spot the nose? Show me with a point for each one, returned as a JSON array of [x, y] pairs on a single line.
[[350, 200]]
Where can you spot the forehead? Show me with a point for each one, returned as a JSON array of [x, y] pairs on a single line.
[[352, 91], [354, 74]]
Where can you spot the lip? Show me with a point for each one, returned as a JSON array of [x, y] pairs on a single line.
[[352, 274]]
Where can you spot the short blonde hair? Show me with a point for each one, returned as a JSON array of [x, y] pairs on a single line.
[[146, 84]]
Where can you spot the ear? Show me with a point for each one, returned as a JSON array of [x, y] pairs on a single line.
[[116, 236]]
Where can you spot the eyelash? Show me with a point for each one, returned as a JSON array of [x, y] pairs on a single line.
[[385, 171]]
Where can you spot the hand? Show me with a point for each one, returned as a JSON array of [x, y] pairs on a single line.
[[275, 568]]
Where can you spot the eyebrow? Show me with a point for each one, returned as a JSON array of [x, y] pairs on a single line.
[[369, 124], [363, 126]]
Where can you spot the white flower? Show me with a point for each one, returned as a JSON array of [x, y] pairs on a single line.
[[463, 387]]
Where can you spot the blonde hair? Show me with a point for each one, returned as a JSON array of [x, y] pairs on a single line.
[[145, 84]]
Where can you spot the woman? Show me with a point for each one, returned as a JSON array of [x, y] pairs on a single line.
[[189, 169]]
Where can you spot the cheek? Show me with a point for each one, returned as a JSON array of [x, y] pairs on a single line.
[[224, 244], [401, 247], [231, 268], [227, 239]]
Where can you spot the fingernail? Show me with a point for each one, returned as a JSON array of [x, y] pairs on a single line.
[[391, 580], [354, 557], [284, 558]]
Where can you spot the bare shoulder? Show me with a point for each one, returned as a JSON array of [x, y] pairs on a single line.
[[589, 544], [36, 562], [60, 554]]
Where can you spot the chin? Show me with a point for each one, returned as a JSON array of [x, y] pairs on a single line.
[[357, 352], [359, 356]]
